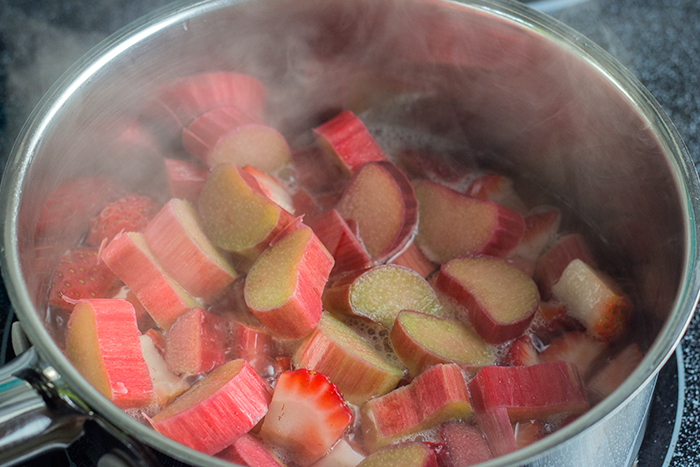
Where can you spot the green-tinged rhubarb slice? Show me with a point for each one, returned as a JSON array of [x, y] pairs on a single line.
[[102, 342], [283, 288], [436, 396], [422, 340], [338, 352], [236, 217], [380, 293]]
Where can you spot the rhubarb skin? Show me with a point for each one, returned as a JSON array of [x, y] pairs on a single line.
[[346, 139], [497, 428], [195, 343], [283, 288], [452, 224], [340, 241], [413, 258], [216, 410], [534, 392], [411, 454], [422, 341], [203, 133], [381, 200], [185, 179], [498, 189], [497, 312], [272, 188], [378, 294], [102, 342], [336, 351], [177, 240], [552, 262], [253, 344], [436, 396], [249, 450], [129, 257], [236, 217]]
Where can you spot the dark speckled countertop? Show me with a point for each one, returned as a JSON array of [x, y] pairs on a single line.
[[658, 41]]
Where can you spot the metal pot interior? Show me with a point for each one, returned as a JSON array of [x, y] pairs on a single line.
[[505, 87]]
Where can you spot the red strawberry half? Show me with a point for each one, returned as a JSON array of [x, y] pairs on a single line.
[[81, 276], [306, 417], [130, 213], [522, 352]]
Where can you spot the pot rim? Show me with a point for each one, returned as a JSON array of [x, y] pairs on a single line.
[[172, 15]]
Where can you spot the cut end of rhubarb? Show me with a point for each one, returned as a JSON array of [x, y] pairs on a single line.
[[380, 199], [500, 300], [452, 224], [411, 454], [422, 340]]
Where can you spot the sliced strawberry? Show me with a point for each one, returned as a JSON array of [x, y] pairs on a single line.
[[551, 321], [307, 415], [522, 352], [130, 213], [81, 276], [68, 209], [575, 347]]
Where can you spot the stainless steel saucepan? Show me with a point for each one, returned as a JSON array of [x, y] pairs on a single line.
[[516, 89]]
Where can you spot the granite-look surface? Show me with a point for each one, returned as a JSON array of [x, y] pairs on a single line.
[[659, 43]]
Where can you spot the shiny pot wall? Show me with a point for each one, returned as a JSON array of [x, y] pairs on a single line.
[[510, 88]]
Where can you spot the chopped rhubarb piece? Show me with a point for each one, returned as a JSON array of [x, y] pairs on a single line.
[[283, 288], [522, 352], [342, 455], [130, 213], [380, 199], [236, 217], [497, 188], [338, 352], [272, 188], [252, 344], [441, 167], [346, 138], [422, 341], [176, 239], [553, 262], [529, 392], [80, 275], [436, 396], [217, 409], [452, 224], [413, 258], [129, 257], [195, 343], [69, 208], [614, 373], [528, 432], [186, 99], [411, 454], [575, 347], [499, 299], [303, 204], [307, 416], [225, 136], [594, 299], [102, 342], [495, 424], [340, 241], [185, 179], [465, 444], [166, 384], [380, 293], [249, 450]]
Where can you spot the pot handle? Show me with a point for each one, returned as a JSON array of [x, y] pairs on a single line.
[[33, 417]]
